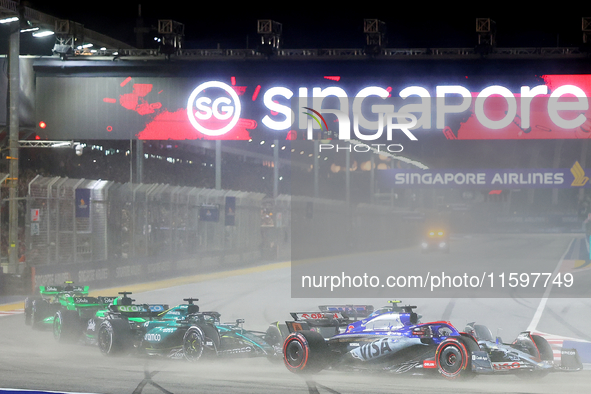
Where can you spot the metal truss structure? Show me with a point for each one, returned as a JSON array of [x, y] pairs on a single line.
[[343, 54], [46, 144]]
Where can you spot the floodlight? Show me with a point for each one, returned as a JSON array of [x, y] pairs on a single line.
[[43, 33], [9, 19]]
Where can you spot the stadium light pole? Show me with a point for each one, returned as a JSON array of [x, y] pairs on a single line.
[[13, 134]]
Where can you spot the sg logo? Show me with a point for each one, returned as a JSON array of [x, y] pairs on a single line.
[[213, 108]]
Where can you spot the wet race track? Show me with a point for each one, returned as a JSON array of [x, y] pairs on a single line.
[[33, 360]]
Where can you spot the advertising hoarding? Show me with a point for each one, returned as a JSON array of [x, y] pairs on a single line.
[[270, 101]]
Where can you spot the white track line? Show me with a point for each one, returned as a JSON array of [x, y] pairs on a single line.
[[542, 305]]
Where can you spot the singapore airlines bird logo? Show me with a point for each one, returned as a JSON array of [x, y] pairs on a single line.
[[579, 174]]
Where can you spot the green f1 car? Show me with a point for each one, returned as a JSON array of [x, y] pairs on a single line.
[[62, 302], [181, 332], [78, 315], [69, 322], [44, 305]]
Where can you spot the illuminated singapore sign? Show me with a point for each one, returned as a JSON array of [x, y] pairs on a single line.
[[167, 108], [495, 107], [505, 109]]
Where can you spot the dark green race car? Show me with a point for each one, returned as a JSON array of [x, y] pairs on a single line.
[[70, 321], [62, 302], [181, 332], [39, 307]]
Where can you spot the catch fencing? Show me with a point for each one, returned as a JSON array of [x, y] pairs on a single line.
[[83, 221]]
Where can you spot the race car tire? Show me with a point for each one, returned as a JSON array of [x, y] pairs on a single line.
[[472, 346], [193, 344], [66, 326], [39, 310], [114, 337], [212, 340], [544, 348], [305, 352], [274, 336], [546, 354], [452, 358]]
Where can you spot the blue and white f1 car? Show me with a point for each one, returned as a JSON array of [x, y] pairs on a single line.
[[393, 339], [390, 339]]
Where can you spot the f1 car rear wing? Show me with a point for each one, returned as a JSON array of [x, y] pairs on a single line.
[[157, 308], [331, 316], [106, 300], [51, 290], [348, 311], [139, 310], [85, 301], [320, 319], [327, 328]]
